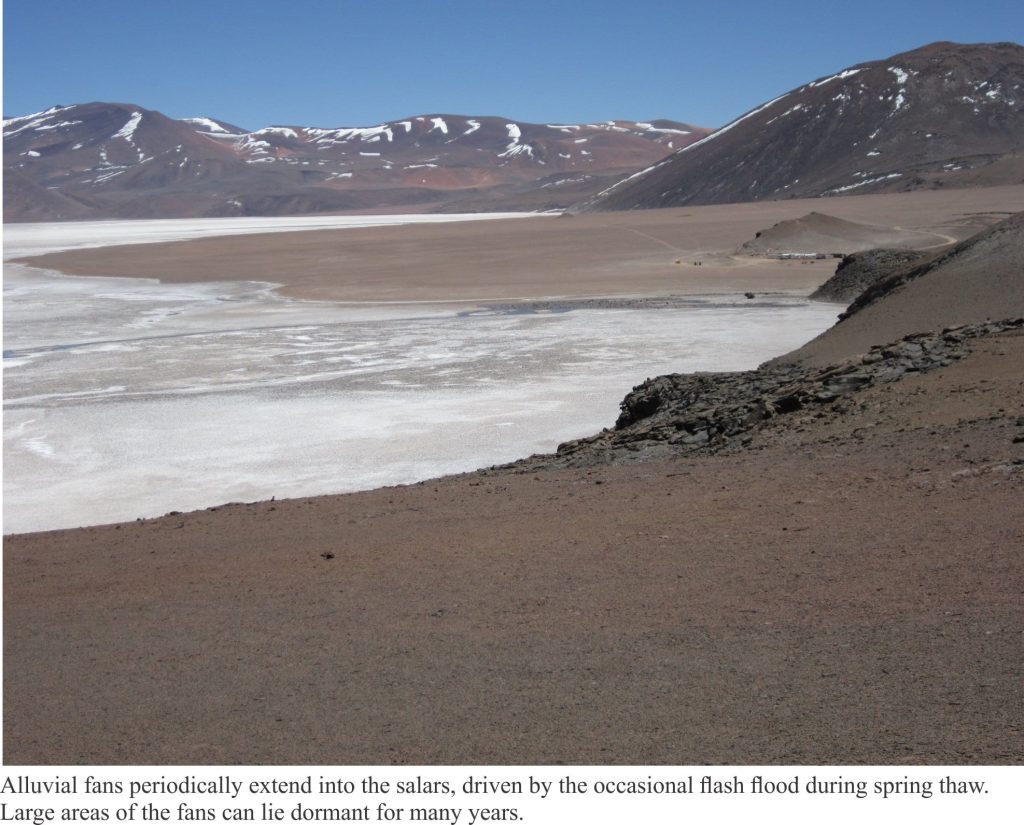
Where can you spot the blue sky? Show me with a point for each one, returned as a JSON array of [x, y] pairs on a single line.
[[337, 62]]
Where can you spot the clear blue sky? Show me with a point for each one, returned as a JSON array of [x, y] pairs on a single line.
[[359, 62]]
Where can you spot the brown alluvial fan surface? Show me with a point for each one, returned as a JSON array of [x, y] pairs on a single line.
[[947, 114], [647, 252], [846, 592], [119, 160], [839, 583]]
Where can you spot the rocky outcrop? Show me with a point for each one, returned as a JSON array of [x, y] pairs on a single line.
[[860, 270], [708, 412]]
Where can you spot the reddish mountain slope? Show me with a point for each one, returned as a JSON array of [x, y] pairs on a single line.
[[119, 160]]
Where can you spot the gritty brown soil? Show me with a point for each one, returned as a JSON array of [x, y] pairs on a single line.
[[846, 590]]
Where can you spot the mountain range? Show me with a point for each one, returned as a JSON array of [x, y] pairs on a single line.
[[946, 114], [113, 160]]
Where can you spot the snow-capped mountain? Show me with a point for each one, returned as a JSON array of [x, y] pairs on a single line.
[[119, 160], [943, 115]]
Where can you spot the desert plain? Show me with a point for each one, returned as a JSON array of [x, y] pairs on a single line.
[[639, 253], [844, 589]]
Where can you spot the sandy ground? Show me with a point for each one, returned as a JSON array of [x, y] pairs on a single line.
[[847, 591], [599, 254]]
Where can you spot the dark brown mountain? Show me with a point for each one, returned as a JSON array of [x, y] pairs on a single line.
[[943, 115], [105, 160]]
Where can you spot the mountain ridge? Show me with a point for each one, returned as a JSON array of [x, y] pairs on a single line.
[[121, 160], [945, 114]]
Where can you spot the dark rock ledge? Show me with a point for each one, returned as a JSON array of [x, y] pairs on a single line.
[[708, 412], [862, 270]]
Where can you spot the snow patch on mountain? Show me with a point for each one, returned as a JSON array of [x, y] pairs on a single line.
[[128, 130], [365, 134], [649, 127], [901, 75], [284, 131], [22, 118], [863, 183], [840, 76], [108, 175], [33, 121], [62, 125], [514, 147], [738, 121], [206, 124], [250, 144], [798, 107], [901, 80]]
